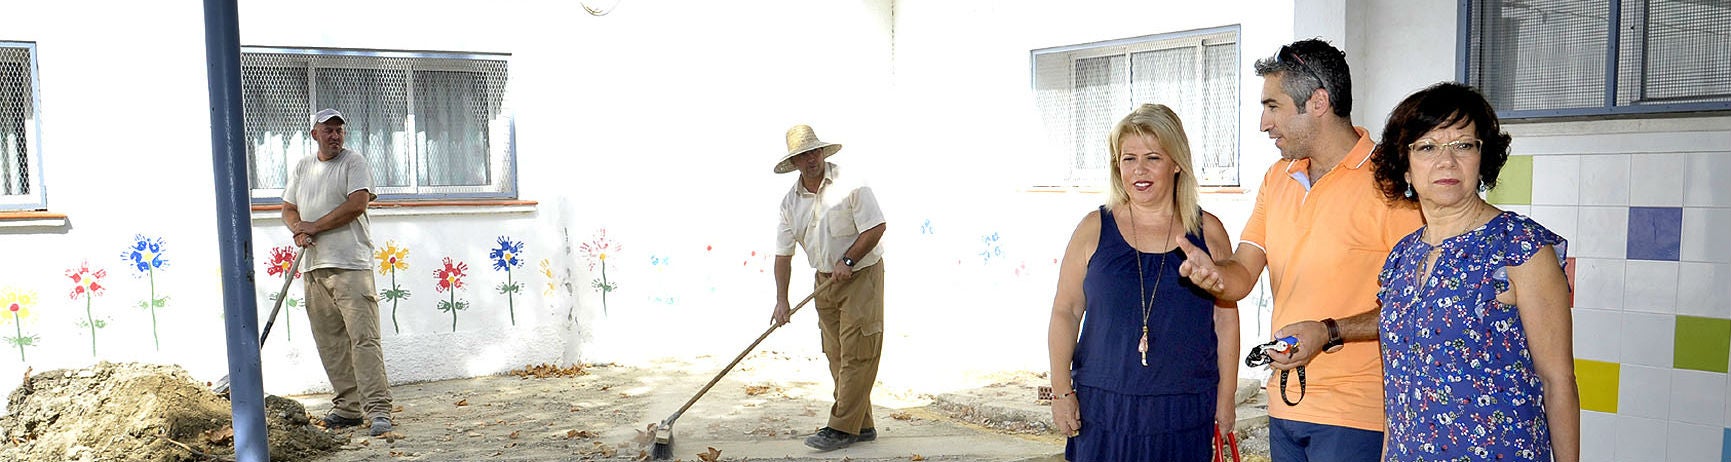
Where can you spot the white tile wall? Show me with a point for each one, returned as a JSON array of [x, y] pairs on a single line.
[[1556, 180], [1694, 443], [1698, 397], [1598, 334], [1640, 440], [1705, 232], [1599, 283], [1705, 183], [1704, 289], [1559, 219], [1607, 232], [1605, 180], [1644, 391], [1653, 180], [1651, 286], [1651, 342], [1598, 436]]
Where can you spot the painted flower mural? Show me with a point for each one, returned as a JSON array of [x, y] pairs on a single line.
[[15, 307], [552, 282], [450, 279], [596, 251], [508, 255], [281, 263], [391, 260], [145, 255], [87, 284]]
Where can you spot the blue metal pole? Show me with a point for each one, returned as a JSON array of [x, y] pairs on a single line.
[[234, 229]]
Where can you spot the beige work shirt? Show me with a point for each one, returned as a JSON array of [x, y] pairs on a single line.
[[827, 222]]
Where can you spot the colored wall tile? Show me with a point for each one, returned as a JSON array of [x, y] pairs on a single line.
[[1514, 183], [1703, 344], [1655, 233], [1725, 454], [1598, 381]]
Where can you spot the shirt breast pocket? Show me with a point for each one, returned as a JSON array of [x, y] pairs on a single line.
[[840, 224]]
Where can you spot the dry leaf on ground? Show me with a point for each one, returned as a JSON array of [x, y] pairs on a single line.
[[712, 455], [754, 390], [901, 415], [463, 402], [545, 370], [917, 458], [514, 434]]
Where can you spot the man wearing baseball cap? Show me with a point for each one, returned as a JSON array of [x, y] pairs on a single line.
[[837, 221], [325, 207]]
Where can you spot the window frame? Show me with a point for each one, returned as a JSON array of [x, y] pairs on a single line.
[[1128, 48], [503, 163], [37, 199], [1613, 46]]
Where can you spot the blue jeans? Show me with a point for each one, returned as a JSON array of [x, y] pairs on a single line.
[[1294, 441]]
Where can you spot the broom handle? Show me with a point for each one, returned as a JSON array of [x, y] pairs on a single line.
[[725, 370], [280, 295]]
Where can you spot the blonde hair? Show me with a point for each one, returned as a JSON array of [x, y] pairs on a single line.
[[1159, 122]]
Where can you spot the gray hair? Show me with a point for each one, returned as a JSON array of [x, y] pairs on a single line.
[[1307, 65]]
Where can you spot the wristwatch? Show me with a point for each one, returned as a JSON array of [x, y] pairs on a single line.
[[847, 261], [1334, 341]]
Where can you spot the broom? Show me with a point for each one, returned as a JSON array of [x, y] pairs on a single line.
[[664, 431]]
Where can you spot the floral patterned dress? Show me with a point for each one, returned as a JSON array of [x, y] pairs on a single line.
[[1459, 381]]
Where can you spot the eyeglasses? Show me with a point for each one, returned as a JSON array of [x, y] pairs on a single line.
[[1286, 50], [1429, 149]]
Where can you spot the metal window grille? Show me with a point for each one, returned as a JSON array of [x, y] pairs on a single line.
[[430, 125], [1545, 58], [20, 157], [1083, 90]]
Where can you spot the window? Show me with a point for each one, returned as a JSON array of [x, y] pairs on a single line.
[[20, 148], [1083, 90], [1551, 58], [432, 125]]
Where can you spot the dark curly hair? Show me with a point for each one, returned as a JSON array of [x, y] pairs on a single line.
[[1447, 104]]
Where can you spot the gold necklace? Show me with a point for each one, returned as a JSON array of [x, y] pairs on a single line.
[[1146, 301]]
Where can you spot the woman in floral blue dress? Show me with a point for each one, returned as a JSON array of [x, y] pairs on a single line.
[[1476, 333]]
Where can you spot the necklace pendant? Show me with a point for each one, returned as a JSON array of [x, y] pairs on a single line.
[[1142, 347]]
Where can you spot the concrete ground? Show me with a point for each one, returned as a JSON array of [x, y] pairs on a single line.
[[763, 410]]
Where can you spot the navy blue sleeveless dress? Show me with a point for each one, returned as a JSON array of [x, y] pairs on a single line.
[[1161, 412]]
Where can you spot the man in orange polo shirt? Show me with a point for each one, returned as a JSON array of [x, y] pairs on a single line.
[[1323, 232]]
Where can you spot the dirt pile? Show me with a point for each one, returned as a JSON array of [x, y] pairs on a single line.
[[140, 412]]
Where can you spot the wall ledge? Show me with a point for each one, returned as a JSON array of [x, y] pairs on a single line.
[[272, 213], [32, 220]]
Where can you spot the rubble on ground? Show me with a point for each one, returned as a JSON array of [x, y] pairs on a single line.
[[140, 412]]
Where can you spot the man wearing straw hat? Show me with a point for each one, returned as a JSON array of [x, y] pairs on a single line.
[[838, 222]]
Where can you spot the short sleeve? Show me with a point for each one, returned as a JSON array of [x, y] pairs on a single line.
[[784, 241], [1256, 228], [1523, 239], [359, 176], [866, 213], [1400, 220]]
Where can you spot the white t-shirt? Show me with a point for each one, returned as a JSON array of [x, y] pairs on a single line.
[[828, 222], [316, 188]]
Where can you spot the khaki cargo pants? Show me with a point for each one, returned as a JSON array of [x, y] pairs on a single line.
[[343, 308], [851, 318]]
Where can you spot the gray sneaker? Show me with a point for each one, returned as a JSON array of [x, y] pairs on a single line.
[[381, 425], [829, 439]]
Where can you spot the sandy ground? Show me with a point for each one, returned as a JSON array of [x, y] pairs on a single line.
[[761, 411]]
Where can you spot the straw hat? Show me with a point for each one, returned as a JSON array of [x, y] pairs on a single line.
[[801, 139]]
